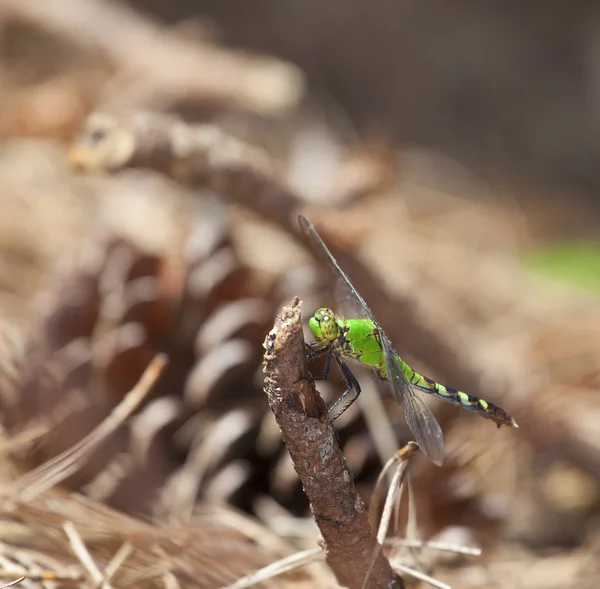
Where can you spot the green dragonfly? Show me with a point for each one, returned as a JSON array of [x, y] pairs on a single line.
[[360, 337]]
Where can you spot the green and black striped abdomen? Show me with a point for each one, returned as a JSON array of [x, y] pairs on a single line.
[[469, 402]]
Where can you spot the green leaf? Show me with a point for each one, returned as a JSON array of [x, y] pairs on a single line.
[[575, 263]]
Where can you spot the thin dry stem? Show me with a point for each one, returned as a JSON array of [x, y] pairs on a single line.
[[284, 565], [56, 470], [378, 422], [170, 581], [301, 414], [441, 546], [248, 526], [421, 576], [23, 440], [402, 457], [82, 553], [117, 561], [35, 567], [13, 583]]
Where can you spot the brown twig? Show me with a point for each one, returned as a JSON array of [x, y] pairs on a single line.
[[203, 155], [312, 442], [156, 66], [198, 155]]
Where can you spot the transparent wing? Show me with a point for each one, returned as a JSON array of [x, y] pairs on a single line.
[[421, 421], [424, 426], [350, 301]]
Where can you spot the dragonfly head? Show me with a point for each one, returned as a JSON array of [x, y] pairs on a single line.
[[324, 325]]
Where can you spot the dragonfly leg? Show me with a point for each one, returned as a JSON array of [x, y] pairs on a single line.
[[327, 367], [351, 386], [312, 353]]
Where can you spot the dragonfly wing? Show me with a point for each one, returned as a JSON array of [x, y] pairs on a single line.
[[350, 301], [425, 427], [421, 421]]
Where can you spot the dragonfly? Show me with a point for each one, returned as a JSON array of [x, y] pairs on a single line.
[[360, 337]]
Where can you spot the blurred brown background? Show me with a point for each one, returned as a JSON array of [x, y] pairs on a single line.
[[447, 153], [509, 88]]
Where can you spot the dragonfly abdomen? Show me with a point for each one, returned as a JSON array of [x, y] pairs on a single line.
[[469, 402]]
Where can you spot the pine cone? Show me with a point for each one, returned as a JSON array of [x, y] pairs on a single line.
[[113, 311]]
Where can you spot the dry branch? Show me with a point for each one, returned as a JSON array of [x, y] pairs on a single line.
[[312, 442], [158, 66], [203, 155]]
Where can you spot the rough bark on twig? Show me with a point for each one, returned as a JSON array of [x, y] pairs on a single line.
[[312, 442]]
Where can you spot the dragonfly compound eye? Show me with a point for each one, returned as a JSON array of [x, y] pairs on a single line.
[[327, 324], [315, 326]]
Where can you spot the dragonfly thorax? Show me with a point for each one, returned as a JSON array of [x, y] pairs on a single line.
[[324, 325]]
